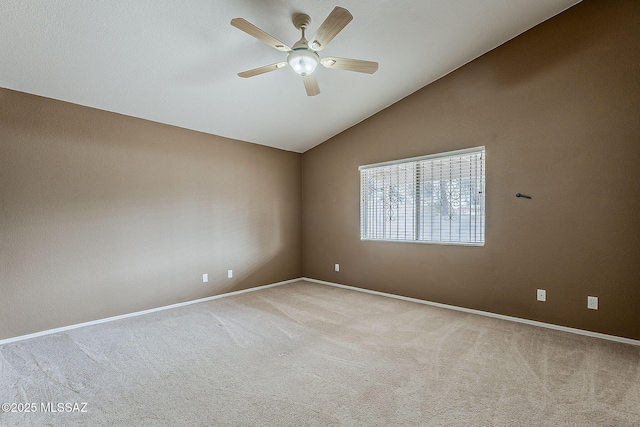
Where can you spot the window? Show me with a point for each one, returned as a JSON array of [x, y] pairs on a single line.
[[432, 199]]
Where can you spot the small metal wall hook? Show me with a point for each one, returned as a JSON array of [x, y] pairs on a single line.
[[522, 195]]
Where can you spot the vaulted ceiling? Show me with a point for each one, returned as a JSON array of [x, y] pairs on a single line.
[[177, 62]]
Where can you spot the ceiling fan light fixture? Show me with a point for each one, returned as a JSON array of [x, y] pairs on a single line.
[[303, 61]]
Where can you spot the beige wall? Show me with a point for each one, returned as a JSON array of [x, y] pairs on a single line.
[[558, 110], [103, 214]]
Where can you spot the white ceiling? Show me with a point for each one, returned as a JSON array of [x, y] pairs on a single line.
[[176, 62]]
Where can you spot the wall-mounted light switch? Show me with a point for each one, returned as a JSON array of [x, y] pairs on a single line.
[[229, 274], [205, 277], [337, 267]]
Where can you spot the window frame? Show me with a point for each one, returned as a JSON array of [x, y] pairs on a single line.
[[448, 154]]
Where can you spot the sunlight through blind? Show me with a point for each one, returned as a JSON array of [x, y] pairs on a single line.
[[433, 199]]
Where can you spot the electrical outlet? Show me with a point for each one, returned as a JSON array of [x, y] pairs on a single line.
[[337, 267], [205, 277], [229, 274], [592, 303], [542, 295]]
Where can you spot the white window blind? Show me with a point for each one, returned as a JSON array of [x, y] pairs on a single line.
[[433, 199]]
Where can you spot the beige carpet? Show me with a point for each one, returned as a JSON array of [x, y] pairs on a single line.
[[308, 354]]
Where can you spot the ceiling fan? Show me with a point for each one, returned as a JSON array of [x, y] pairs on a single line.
[[303, 58]]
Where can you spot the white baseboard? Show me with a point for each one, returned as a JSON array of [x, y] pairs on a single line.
[[485, 313], [138, 313], [338, 285]]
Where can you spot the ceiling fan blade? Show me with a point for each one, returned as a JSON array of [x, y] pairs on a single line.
[[311, 85], [335, 22], [358, 65], [262, 70], [256, 32]]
